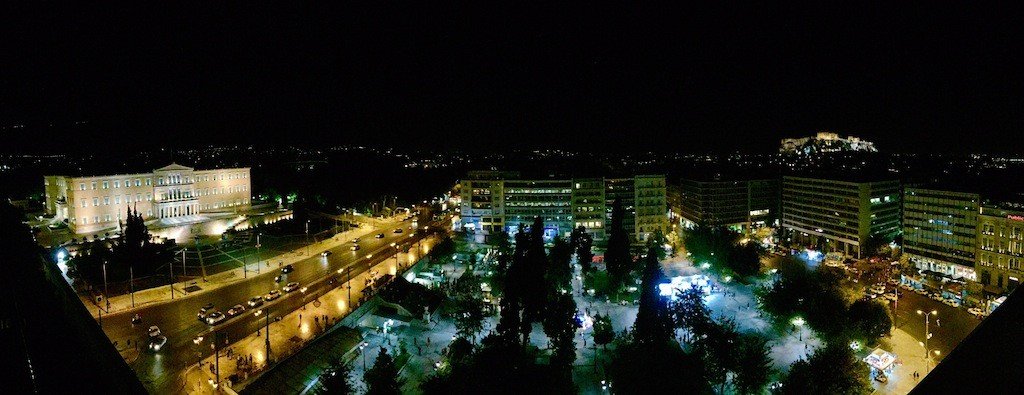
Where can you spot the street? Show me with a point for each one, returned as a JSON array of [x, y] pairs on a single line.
[[954, 323], [177, 319]]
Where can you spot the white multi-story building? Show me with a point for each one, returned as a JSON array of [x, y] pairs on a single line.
[[94, 203]]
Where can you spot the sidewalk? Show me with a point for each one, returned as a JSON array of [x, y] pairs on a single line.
[[290, 334], [162, 294], [910, 359]]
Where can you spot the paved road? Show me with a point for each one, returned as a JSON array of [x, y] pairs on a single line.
[[954, 324], [177, 320]]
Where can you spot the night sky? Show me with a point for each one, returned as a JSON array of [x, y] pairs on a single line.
[[932, 78]]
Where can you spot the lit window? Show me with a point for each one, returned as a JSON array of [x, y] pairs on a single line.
[[95, 201], [106, 200], [106, 184], [81, 187]]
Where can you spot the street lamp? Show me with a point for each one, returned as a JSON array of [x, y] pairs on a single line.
[[362, 346], [798, 322], [927, 335]]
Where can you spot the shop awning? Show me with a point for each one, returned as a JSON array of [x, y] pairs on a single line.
[[880, 359]]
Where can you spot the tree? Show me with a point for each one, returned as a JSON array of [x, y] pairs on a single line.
[[382, 378], [639, 368], [603, 332], [503, 246], [869, 320], [689, 311], [559, 274], [467, 309], [337, 379], [560, 327], [617, 258], [753, 365], [745, 259], [653, 324], [718, 349], [584, 250], [830, 370]]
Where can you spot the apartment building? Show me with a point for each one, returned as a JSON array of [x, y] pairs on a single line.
[[94, 203]]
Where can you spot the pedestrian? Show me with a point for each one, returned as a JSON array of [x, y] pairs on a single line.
[[300, 316], [937, 322]]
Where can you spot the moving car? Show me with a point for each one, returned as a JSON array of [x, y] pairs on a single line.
[[157, 342], [379, 236], [325, 253], [206, 309], [399, 230], [215, 318], [355, 240], [272, 295], [287, 269], [291, 286], [236, 310], [256, 301], [154, 331], [355, 247]]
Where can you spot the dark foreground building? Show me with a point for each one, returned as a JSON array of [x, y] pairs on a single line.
[[49, 343]]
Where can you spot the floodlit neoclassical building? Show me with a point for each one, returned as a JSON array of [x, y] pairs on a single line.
[[93, 203]]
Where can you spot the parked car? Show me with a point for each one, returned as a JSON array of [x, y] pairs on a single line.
[[255, 301], [203, 311], [287, 269], [976, 312], [291, 286], [399, 230], [921, 291], [950, 302], [236, 310], [215, 318], [878, 289], [272, 295], [890, 297]]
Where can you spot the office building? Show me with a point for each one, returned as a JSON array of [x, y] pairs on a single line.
[[837, 215], [940, 231], [176, 193], [493, 201], [741, 205]]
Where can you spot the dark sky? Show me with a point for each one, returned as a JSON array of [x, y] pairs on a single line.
[[934, 78]]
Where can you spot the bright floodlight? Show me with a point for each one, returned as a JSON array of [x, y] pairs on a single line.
[[798, 321]]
